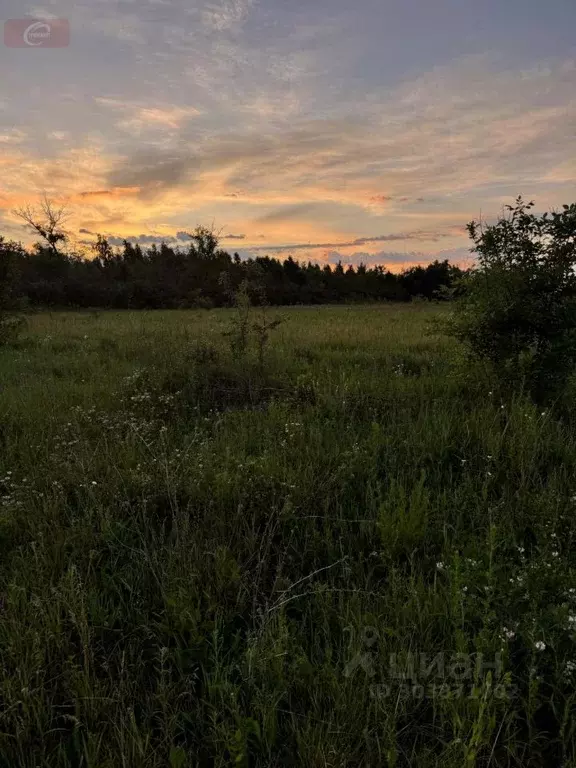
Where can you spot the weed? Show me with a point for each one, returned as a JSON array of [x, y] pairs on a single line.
[[334, 562]]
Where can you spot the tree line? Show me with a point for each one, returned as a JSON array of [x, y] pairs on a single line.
[[198, 274]]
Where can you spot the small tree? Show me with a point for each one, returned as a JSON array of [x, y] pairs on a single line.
[[519, 308], [249, 298], [239, 333]]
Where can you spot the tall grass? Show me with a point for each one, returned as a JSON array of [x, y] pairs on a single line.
[[358, 558]]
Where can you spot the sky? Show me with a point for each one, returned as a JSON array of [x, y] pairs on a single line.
[[363, 131]]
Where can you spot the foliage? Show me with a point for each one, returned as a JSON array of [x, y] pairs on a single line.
[[10, 323], [519, 309]]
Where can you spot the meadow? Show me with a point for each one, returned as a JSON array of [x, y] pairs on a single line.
[[354, 552]]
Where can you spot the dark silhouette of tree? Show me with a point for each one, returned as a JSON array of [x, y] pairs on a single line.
[[47, 221]]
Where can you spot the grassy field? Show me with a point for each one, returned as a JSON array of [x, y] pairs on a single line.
[[361, 555]]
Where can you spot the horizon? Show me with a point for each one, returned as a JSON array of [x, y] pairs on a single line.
[[369, 134]]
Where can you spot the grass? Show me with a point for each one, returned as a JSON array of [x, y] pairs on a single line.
[[358, 557]]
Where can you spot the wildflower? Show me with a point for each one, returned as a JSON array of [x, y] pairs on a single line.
[[508, 634], [572, 621], [94, 482], [440, 566], [570, 667], [539, 645], [521, 550]]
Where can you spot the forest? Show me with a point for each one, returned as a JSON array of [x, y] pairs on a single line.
[[199, 275]]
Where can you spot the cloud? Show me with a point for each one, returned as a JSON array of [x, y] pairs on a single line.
[[12, 136], [233, 237], [115, 192], [152, 171], [142, 239], [249, 113], [137, 118], [222, 15], [462, 143], [397, 259], [421, 234], [145, 239]]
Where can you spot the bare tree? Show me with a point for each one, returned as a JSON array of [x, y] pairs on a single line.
[[47, 220]]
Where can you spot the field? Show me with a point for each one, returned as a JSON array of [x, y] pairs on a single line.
[[356, 553]]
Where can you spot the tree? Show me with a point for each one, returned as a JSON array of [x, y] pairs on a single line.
[[519, 309], [103, 251], [47, 221], [204, 243]]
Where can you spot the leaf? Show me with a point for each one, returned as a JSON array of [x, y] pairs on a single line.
[[177, 757]]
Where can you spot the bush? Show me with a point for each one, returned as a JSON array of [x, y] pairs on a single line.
[[519, 308], [10, 328], [10, 323]]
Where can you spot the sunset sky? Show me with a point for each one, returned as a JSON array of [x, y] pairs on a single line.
[[360, 130]]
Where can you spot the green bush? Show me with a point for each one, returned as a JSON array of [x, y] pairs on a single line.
[[519, 308]]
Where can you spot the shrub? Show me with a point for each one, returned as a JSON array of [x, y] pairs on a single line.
[[519, 308], [245, 331], [10, 328], [10, 323]]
